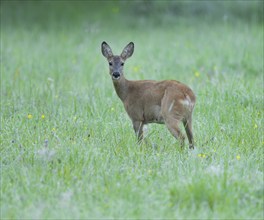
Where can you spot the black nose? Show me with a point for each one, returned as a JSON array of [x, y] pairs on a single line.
[[116, 75]]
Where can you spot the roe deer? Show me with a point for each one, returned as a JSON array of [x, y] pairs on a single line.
[[149, 101]]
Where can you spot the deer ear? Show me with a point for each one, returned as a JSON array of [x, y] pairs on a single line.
[[106, 50], [127, 51]]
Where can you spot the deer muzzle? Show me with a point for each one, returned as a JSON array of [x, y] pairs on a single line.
[[116, 75]]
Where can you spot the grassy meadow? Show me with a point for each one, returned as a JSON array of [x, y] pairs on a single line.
[[68, 150]]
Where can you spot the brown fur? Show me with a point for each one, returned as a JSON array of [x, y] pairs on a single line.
[[148, 101]]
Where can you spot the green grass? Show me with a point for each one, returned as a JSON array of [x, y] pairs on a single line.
[[68, 149]]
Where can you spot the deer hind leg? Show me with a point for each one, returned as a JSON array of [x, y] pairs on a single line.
[[172, 115], [188, 128], [173, 126]]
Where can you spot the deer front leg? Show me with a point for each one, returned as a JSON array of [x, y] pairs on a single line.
[[138, 128]]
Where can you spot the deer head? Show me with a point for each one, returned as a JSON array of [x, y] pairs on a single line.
[[116, 63]]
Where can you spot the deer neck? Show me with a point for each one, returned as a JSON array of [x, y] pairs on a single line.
[[121, 87]]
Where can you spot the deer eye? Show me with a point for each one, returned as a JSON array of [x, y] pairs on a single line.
[[122, 64], [110, 63]]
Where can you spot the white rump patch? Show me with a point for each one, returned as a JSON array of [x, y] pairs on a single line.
[[187, 102]]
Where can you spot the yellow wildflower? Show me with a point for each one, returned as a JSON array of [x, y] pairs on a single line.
[[238, 157], [30, 116], [197, 74], [202, 155], [136, 69], [42, 116], [255, 126]]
